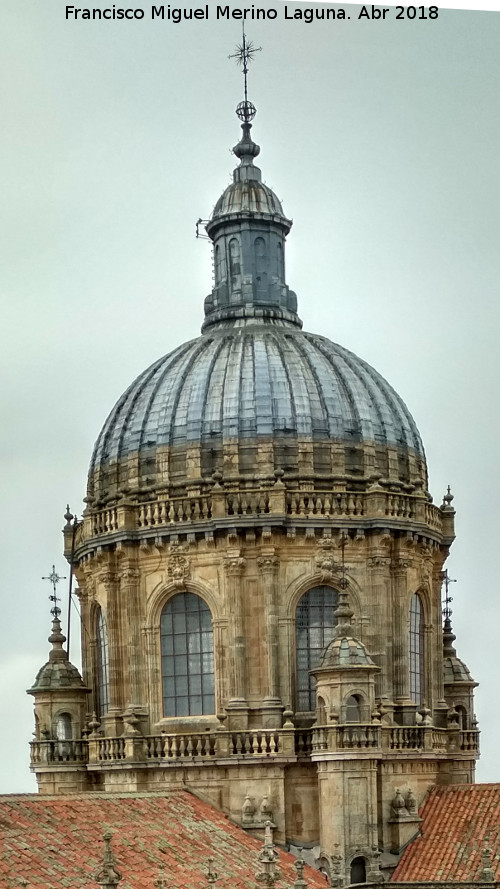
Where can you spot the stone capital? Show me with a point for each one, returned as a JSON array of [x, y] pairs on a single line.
[[234, 565], [267, 564], [378, 561]]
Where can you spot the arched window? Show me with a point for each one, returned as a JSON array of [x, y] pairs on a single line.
[[358, 870], [463, 719], [234, 263], [353, 709], [416, 649], [63, 727], [102, 653], [314, 625], [187, 656]]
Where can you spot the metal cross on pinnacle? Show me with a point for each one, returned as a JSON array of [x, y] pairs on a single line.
[[245, 53], [447, 598], [54, 578]]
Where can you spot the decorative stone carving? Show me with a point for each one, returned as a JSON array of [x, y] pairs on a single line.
[[248, 810], [401, 564], [398, 806], [179, 565], [411, 802], [108, 579], [234, 565], [265, 810], [267, 563], [378, 561], [108, 876], [130, 723]]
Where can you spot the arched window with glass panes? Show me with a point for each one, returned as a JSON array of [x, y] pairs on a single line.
[[314, 625], [187, 656], [417, 653], [102, 663]]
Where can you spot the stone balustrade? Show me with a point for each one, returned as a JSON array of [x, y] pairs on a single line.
[[286, 743], [192, 746], [49, 752], [346, 737], [469, 741], [280, 501]]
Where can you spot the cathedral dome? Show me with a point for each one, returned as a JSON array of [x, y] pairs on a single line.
[[252, 381], [254, 396]]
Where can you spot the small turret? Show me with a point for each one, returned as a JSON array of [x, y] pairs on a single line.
[[60, 706]]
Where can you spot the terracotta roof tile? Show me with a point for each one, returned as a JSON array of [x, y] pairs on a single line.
[[56, 842], [458, 822]]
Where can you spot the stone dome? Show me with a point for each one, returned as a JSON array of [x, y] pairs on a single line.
[[251, 381], [58, 673], [456, 671], [345, 651], [454, 668]]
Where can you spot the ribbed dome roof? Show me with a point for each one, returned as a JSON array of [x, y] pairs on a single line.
[[456, 671], [346, 651], [58, 673], [248, 196], [251, 381]]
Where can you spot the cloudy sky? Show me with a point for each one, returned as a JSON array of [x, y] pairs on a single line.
[[381, 138]]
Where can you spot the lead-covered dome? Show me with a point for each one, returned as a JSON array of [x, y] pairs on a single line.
[[254, 397], [248, 385]]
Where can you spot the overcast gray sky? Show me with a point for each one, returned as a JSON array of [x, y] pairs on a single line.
[[381, 138]]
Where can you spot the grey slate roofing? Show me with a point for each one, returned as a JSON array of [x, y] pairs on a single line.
[[250, 380]]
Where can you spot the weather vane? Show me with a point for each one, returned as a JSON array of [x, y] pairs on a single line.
[[447, 598], [245, 53], [54, 578]]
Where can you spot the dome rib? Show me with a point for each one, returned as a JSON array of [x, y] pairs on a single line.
[[346, 388], [306, 363]]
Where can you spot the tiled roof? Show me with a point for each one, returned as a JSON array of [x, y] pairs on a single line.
[[56, 842], [458, 823]]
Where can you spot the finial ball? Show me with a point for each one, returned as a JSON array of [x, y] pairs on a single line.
[[246, 111]]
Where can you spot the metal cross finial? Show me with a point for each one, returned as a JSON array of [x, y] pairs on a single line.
[[447, 598], [54, 578], [245, 53]]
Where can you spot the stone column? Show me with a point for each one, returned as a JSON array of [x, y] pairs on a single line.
[[111, 721], [268, 565], [237, 707], [380, 586], [131, 611], [405, 706], [221, 666]]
